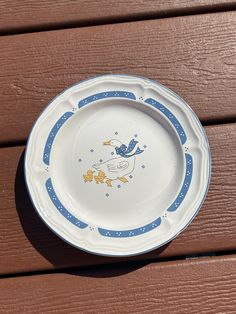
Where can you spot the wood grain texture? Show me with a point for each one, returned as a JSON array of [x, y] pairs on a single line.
[[206, 285], [26, 244], [30, 14], [194, 55]]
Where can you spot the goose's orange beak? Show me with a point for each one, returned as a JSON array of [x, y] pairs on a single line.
[[107, 143]]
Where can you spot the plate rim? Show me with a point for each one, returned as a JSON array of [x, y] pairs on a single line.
[[195, 212]]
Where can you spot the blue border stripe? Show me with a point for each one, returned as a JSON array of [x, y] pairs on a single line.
[[109, 94], [185, 187], [132, 232], [173, 207], [78, 223], [52, 135], [170, 116], [107, 232]]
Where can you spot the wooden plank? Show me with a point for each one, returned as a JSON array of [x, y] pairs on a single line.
[[29, 14], [28, 245], [206, 285], [194, 55]]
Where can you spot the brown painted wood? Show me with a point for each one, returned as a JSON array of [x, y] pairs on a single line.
[[194, 55], [28, 245], [29, 14], [206, 285]]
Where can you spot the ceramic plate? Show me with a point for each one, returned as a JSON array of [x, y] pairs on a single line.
[[117, 165]]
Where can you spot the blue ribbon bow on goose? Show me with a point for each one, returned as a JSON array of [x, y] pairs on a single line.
[[127, 152]]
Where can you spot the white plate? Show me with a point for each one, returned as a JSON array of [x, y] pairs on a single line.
[[117, 165]]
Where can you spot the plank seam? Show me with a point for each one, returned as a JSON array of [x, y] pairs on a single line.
[[122, 264], [228, 7]]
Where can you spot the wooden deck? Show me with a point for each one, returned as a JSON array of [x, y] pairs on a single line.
[[190, 46]]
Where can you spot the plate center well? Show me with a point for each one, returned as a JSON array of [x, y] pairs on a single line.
[[117, 164]]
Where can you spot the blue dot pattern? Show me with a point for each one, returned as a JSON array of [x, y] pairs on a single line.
[[109, 94], [61, 208], [157, 222], [170, 116], [52, 135]]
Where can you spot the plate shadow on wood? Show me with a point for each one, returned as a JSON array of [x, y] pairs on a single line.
[[59, 253]]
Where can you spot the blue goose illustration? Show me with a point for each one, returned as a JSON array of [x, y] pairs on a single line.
[[123, 164]]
